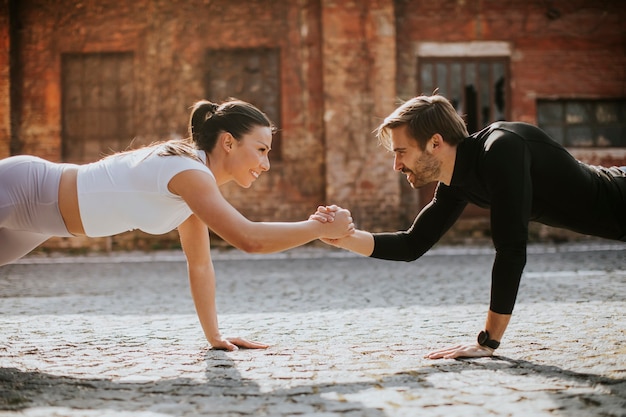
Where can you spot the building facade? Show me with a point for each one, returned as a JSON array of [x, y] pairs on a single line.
[[83, 79]]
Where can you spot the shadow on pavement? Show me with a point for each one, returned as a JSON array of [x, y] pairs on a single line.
[[226, 392]]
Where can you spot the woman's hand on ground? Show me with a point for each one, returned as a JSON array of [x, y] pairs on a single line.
[[234, 343]]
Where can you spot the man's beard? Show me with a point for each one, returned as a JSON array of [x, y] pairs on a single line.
[[425, 170]]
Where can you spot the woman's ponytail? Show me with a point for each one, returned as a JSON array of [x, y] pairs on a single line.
[[236, 117], [200, 112]]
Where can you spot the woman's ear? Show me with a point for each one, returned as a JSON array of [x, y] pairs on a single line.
[[226, 140]]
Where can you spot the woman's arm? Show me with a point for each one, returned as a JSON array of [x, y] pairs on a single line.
[[202, 194], [194, 238]]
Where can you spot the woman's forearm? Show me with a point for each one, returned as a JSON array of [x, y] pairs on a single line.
[[202, 283], [268, 237]]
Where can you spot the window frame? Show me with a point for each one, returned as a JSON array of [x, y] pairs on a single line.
[[591, 123], [275, 115], [89, 97], [477, 122]]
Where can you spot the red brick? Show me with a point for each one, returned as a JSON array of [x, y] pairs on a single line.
[[343, 66]]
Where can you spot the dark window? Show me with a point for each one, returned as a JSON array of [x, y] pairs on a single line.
[[97, 105], [584, 123], [252, 75], [476, 87]]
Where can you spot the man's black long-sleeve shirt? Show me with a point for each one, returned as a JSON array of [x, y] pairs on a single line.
[[521, 175]]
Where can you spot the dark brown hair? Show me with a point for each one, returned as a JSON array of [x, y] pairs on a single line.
[[209, 119]]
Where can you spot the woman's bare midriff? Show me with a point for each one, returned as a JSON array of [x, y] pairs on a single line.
[[68, 201]]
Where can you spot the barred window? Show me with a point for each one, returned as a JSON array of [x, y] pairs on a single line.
[[476, 86], [97, 104], [249, 74], [584, 123]]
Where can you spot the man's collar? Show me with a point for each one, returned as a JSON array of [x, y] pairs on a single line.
[[462, 163]]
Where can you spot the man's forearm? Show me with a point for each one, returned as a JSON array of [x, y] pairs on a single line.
[[496, 324], [360, 242]]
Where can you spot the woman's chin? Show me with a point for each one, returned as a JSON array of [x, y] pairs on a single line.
[[245, 184]]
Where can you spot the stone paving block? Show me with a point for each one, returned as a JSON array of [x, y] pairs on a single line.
[[94, 337]]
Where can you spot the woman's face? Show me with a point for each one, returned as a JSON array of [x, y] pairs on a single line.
[[249, 156]]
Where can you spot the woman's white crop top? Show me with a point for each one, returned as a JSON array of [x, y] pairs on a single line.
[[129, 191]]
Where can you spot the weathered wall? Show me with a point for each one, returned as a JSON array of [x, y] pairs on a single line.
[[169, 40], [5, 81], [558, 49], [359, 91], [579, 53], [343, 67]]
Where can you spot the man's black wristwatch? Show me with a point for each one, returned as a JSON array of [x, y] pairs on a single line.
[[484, 340]]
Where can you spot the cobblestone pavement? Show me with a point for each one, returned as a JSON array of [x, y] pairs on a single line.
[[118, 336]]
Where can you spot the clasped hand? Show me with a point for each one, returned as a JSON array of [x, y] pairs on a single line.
[[340, 217]]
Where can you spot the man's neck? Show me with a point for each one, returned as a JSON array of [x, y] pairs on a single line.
[[448, 158]]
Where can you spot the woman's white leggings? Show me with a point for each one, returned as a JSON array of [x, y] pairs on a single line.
[[29, 205]]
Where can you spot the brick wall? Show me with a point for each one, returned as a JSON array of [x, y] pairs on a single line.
[[5, 82], [557, 49], [359, 91], [577, 53], [344, 64], [169, 40]]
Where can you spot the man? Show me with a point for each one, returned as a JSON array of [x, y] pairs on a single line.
[[515, 170]]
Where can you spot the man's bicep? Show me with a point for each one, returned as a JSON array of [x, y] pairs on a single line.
[[510, 184]]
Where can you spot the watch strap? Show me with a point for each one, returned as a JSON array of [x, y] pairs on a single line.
[[485, 340]]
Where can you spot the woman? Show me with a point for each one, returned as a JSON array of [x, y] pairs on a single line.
[[171, 185]]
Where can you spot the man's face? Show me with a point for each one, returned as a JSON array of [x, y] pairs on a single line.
[[420, 166]]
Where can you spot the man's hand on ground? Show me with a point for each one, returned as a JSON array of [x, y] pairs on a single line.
[[461, 351]]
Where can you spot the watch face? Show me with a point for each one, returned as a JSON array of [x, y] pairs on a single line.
[[483, 340]]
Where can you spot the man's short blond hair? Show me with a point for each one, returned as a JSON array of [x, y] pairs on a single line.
[[424, 116]]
